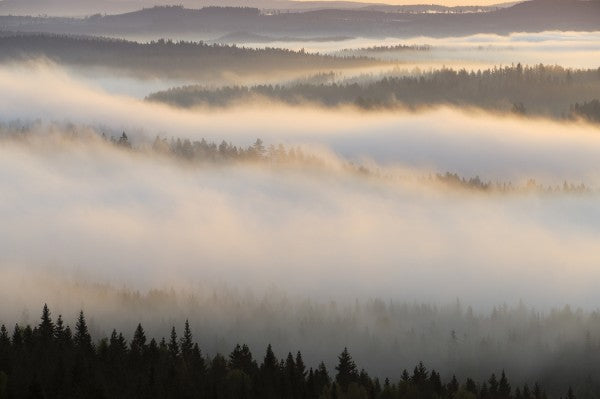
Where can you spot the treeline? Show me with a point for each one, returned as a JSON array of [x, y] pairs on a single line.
[[589, 110], [184, 59], [537, 90], [380, 49], [476, 183], [209, 151], [280, 155], [50, 360], [205, 151]]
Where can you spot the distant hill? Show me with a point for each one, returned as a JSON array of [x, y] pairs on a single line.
[[245, 37], [162, 58], [214, 22], [82, 8]]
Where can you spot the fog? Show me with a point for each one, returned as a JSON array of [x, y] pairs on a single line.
[[132, 219], [440, 139], [260, 254], [304, 257], [569, 49]]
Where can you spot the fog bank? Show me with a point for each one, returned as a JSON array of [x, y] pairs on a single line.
[[440, 139]]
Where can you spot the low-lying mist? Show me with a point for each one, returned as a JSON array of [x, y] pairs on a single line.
[[569, 49], [309, 258], [132, 218], [303, 258], [467, 141]]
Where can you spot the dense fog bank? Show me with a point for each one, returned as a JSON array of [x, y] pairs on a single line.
[[125, 217], [441, 139]]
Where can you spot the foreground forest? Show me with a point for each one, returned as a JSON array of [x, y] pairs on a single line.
[[50, 360], [535, 90]]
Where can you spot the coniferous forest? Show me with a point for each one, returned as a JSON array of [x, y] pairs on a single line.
[[53, 360]]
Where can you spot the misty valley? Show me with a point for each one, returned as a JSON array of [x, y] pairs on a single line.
[[300, 199]]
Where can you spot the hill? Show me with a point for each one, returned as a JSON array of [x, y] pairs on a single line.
[[212, 22]]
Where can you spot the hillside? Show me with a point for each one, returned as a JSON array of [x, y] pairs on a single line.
[[212, 22], [165, 58]]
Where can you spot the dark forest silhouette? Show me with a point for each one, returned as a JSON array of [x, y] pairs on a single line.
[[185, 59], [527, 90], [51, 360]]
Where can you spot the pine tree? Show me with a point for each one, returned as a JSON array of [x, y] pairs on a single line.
[[289, 368], [346, 369], [4, 339], [173, 345], [138, 343], [322, 378], [420, 374], [300, 367], [59, 330], [493, 381], [197, 360], [17, 337], [503, 386], [435, 382], [4, 348], [270, 362], [138, 346], [186, 341], [82, 338], [46, 327], [300, 377]]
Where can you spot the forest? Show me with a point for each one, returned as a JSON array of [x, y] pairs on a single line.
[[182, 59], [543, 90], [280, 156], [51, 360]]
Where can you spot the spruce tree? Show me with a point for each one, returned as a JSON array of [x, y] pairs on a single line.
[[46, 327], [347, 371], [270, 362], [503, 386], [173, 345], [17, 337], [4, 339], [186, 341], [82, 337], [138, 343], [59, 329]]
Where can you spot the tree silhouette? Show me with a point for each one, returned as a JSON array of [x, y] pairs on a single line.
[[346, 370]]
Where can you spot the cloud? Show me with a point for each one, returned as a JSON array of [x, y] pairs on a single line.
[[131, 218]]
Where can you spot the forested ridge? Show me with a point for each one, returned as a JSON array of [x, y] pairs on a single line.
[[50, 360], [537, 90], [164, 57], [280, 156]]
